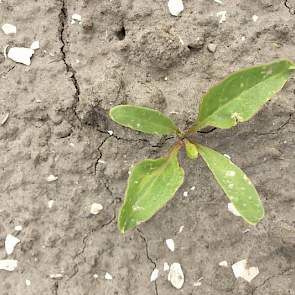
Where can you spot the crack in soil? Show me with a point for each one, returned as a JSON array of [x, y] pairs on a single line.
[[290, 9], [63, 18], [55, 288], [279, 128], [141, 234]]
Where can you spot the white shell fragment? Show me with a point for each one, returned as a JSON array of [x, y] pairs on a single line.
[[35, 45], [9, 29], [181, 229], [18, 228], [185, 194], [218, 1], [52, 178], [223, 263], [50, 203], [56, 276], [76, 18], [21, 55], [8, 264], [222, 15], [231, 208], [154, 275], [28, 283], [4, 119], [95, 208], [110, 132], [170, 244], [175, 7], [166, 266], [240, 270], [10, 242], [254, 18], [175, 275], [108, 276]]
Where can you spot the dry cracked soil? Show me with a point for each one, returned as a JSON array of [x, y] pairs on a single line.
[[134, 51]]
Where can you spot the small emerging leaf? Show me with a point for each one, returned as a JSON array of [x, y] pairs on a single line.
[[151, 185], [241, 95], [191, 149], [235, 184], [143, 119]]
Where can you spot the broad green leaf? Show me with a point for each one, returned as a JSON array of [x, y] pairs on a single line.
[[235, 184], [143, 119], [151, 185], [241, 95], [191, 149]]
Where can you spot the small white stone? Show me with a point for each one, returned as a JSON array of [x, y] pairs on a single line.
[[52, 178], [10, 242], [181, 229], [95, 208], [110, 132], [21, 55], [18, 228], [218, 1], [76, 18], [170, 244], [95, 276], [166, 78], [50, 203], [197, 284], [193, 188], [56, 276], [254, 18], [101, 161], [8, 264], [175, 7], [185, 194], [240, 270], [231, 208], [154, 275], [166, 266], [175, 275], [222, 15], [28, 283], [223, 263], [243, 38], [212, 47], [35, 45], [108, 276], [9, 29]]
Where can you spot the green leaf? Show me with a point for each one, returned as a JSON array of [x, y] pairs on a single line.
[[191, 149], [143, 119], [241, 95], [235, 184], [151, 185]]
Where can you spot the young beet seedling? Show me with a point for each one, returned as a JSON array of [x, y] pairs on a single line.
[[237, 98]]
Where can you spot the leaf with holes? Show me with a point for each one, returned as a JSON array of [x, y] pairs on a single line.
[[143, 119], [235, 184], [151, 185], [241, 95]]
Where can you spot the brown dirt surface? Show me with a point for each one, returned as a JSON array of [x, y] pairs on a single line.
[[134, 51]]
